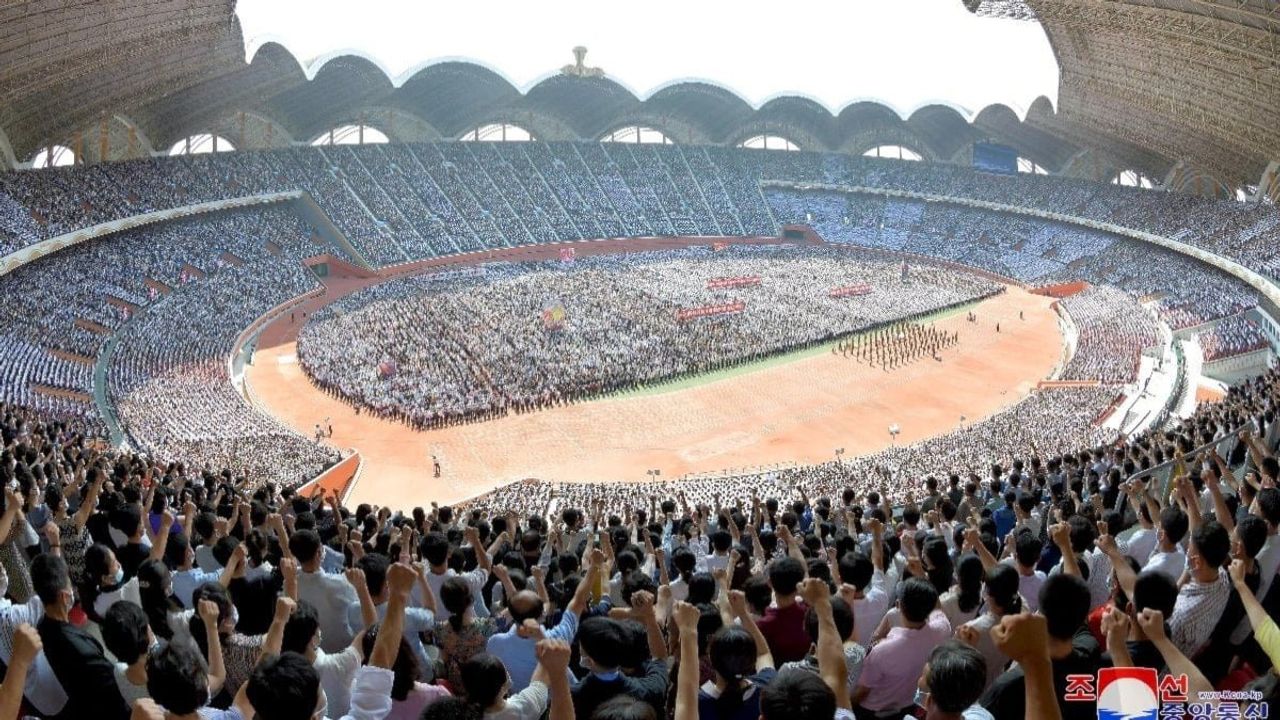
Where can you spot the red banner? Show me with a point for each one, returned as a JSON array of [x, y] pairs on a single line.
[[718, 246], [850, 291], [687, 314], [721, 283]]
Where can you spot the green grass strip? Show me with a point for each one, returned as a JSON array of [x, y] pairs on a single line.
[[692, 381]]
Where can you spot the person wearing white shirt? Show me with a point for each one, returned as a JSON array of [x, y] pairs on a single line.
[[435, 550], [329, 594], [41, 688], [872, 586], [1168, 557]]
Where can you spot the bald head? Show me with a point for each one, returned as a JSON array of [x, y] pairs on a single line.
[[525, 605]]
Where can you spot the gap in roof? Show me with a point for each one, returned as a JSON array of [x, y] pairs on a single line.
[[904, 53]]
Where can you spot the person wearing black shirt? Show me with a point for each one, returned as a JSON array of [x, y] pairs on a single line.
[[1064, 602], [77, 659]]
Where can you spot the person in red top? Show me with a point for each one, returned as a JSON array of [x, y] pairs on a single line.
[[783, 623]]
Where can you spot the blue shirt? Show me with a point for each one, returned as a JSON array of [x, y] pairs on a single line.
[[1005, 520], [518, 653], [416, 621], [185, 583]]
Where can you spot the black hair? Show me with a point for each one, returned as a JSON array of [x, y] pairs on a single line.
[[177, 679], [305, 545], [919, 598], [797, 694], [702, 589], [483, 677], [733, 657], [1174, 522], [124, 631], [405, 668], [300, 628], [785, 575], [375, 567], [1153, 589], [601, 640], [969, 577], [1002, 585], [756, 588], [153, 590], [434, 548], [1252, 532], [1065, 603], [455, 595], [1026, 548], [842, 613], [1212, 542], [957, 676], [283, 687]]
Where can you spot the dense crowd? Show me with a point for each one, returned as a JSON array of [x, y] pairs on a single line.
[[470, 345], [1112, 331], [1233, 336], [142, 589]]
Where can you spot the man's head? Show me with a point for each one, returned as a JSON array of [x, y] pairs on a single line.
[[125, 631], [525, 605], [953, 679], [797, 694], [601, 640], [1064, 602], [918, 599], [375, 566], [1249, 537], [283, 687], [485, 679], [1173, 526], [1209, 548], [784, 575], [1268, 500], [52, 583], [178, 679], [1026, 548], [305, 546]]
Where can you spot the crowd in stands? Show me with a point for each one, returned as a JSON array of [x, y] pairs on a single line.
[[473, 345], [136, 588], [1112, 331], [1233, 336]]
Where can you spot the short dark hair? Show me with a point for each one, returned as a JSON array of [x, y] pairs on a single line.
[[1027, 547], [797, 693], [843, 616], [1252, 532], [957, 675], [300, 628], [434, 547], [919, 598], [374, 566], [283, 687], [483, 677], [602, 640], [305, 545], [1156, 590], [124, 631], [624, 707], [1174, 522], [1213, 542], [49, 577], [1065, 603], [177, 679], [785, 574]]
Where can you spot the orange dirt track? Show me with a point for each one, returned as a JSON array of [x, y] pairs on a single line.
[[796, 412]]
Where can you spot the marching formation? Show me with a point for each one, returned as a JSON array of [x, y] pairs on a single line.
[[897, 344]]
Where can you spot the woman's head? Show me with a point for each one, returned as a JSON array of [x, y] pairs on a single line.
[[155, 589], [101, 566], [1002, 589], [969, 575], [405, 668], [455, 595], [302, 631]]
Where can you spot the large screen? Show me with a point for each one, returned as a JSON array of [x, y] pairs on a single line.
[[993, 158]]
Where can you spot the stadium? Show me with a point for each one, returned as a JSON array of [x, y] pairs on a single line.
[[803, 401]]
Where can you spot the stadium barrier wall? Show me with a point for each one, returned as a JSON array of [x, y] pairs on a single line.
[[33, 252]]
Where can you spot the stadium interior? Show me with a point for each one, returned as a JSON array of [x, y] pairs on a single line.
[[330, 394]]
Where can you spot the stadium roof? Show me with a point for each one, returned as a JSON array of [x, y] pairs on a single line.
[[1145, 84]]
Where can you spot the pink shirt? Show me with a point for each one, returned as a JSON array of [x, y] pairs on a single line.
[[894, 665], [418, 698]]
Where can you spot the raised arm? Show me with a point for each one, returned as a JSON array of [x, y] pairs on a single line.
[[162, 537], [275, 634], [1124, 573], [553, 661], [1152, 623], [686, 617], [482, 556], [1060, 533], [26, 645], [385, 649], [738, 603], [368, 613], [831, 661], [1025, 638], [208, 611], [90, 499]]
